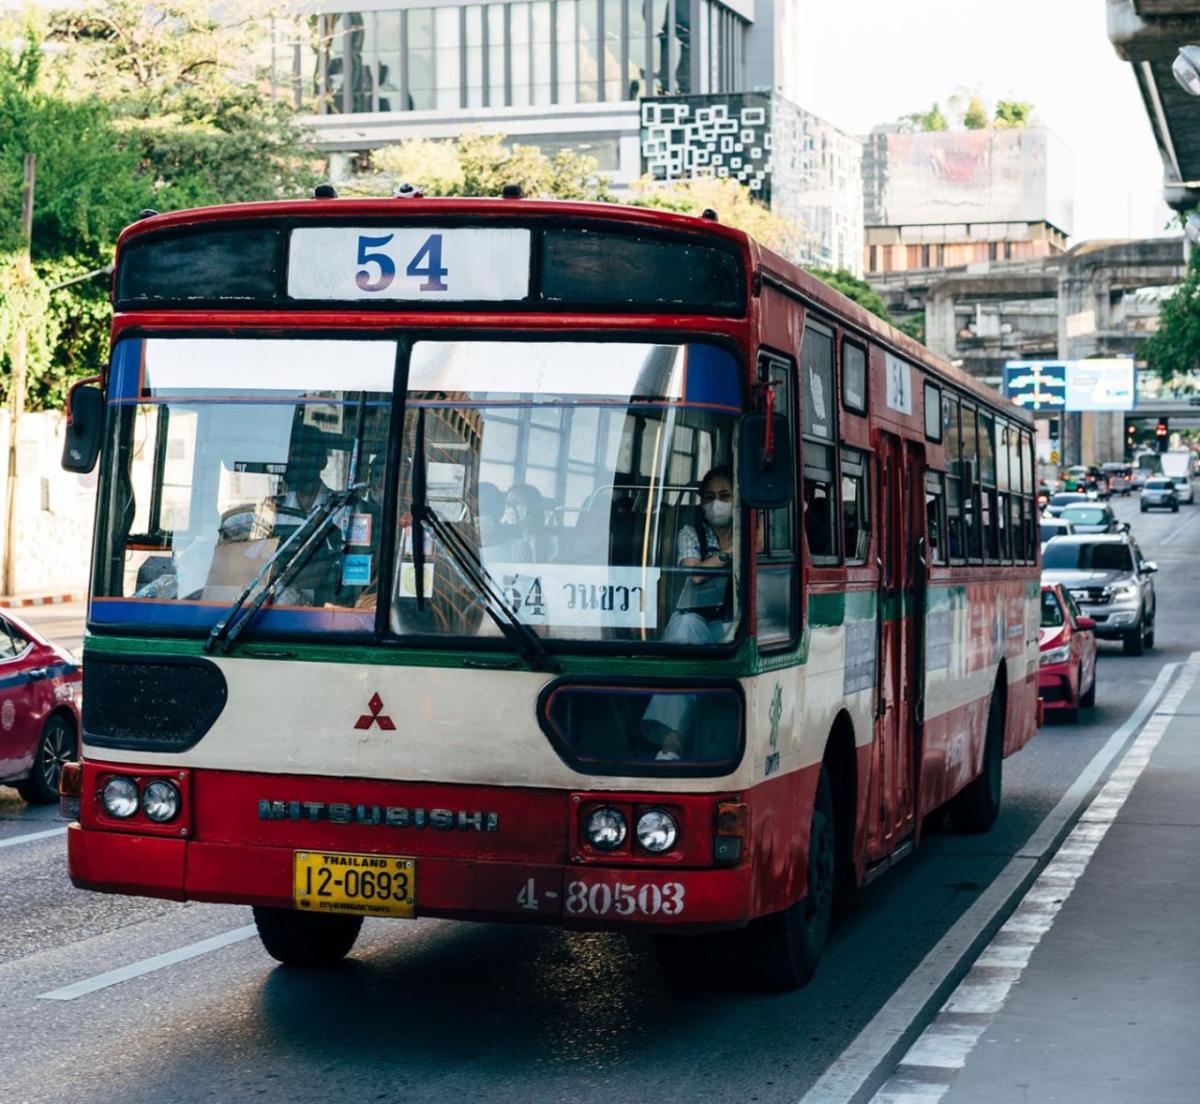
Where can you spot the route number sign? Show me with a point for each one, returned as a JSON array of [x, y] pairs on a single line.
[[424, 263]]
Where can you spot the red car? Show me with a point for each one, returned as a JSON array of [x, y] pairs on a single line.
[[1068, 654], [40, 694]]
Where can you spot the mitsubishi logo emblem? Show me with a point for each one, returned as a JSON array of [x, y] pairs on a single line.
[[376, 716]]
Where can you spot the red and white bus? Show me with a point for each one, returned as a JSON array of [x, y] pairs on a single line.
[[523, 560]]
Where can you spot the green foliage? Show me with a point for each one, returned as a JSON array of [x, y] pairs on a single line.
[[914, 326], [125, 106], [1013, 113], [1173, 350], [854, 288], [1008, 114], [931, 120], [976, 116], [732, 202], [478, 164]]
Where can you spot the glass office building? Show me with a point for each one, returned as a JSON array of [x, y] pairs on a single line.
[[553, 73], [540, 53]]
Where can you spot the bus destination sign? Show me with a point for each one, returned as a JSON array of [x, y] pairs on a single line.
[[463, 264]]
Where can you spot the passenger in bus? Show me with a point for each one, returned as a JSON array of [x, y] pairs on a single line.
[[525, 518], [704, 612]]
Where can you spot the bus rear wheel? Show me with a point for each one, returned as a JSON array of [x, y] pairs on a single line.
[[974, 808], [786, 946], [306, 938]]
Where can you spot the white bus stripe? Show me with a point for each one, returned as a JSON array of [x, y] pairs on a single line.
[[916, 1077], [29, 837], [883, 1041], [149, 965]]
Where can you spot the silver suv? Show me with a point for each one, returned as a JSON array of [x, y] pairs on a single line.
[[1111, 582]]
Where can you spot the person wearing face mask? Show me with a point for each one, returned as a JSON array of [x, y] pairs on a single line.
[[525, 518], [704, 612]]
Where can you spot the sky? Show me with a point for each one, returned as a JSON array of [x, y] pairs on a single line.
[[865, 62]]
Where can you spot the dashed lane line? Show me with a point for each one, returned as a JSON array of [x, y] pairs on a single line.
[[149, 965], [927, 1071], [863, 1066], [29, 837]]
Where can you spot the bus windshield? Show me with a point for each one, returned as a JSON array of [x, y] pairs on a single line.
[[572, 471]]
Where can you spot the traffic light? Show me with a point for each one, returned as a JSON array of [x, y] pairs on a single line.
[[1160, 430]]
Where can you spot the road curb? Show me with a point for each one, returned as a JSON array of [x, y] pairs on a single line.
[[22, 601]]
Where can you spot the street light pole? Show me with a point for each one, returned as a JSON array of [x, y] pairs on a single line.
[[20, 367]]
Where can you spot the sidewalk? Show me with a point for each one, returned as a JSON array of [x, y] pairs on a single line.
[[1090, 992]]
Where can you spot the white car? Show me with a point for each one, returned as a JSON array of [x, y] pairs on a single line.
[[1183, 488]]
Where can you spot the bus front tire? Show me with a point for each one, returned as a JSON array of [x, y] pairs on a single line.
[[306, 938], [974, 808], [786, 946]]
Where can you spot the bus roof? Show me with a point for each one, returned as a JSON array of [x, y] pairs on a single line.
[[766, 266]]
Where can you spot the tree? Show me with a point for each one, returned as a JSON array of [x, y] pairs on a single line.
[[854, 288], [1012, 114], [126, 106], [1173, 350], [477, 164], [182, 77], [931, 120], [733, 204], [976, 116], [87, 188]]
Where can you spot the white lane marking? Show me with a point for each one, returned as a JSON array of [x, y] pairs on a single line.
[[945, 1044], [1179, 529], [148, 965], [29, 837], [879, 1044]]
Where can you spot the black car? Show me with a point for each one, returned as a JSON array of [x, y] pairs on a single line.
[[1110, 581]]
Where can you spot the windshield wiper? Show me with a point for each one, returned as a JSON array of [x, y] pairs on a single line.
[[320, 517], [320, 514], [523, 638]]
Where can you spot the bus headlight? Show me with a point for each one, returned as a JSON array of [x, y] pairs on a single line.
[[120, 797], [605, 828], [160, 802], [657, 830]]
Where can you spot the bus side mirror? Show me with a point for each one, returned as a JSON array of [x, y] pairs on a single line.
[[85, 427], [765, 462]]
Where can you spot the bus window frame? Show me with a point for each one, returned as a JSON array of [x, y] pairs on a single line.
[[766, 557], [866, 377], [828, 330]]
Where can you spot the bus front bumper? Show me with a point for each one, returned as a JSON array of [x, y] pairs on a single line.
[[457, 888]]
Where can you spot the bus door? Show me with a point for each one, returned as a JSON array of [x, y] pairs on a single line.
[[896, 686]]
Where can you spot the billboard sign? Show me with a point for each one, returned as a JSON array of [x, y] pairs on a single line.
[[1036, 384], [1101, 384], [1071, 385]]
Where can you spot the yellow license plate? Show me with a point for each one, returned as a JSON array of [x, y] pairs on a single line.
[[366, 885]]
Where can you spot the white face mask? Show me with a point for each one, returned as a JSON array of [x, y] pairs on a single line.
[[718, 514]]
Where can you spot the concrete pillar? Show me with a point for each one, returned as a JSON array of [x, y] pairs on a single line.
[[941, 332]]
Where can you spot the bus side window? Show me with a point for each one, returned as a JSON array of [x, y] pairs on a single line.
[[776, 578], [952, 443], [935, 517], [820, 515], [987, 480], [856, 515], [970, 470]]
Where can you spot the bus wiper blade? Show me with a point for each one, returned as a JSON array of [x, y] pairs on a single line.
[[321, 518], [220, 628], [523, 638]]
